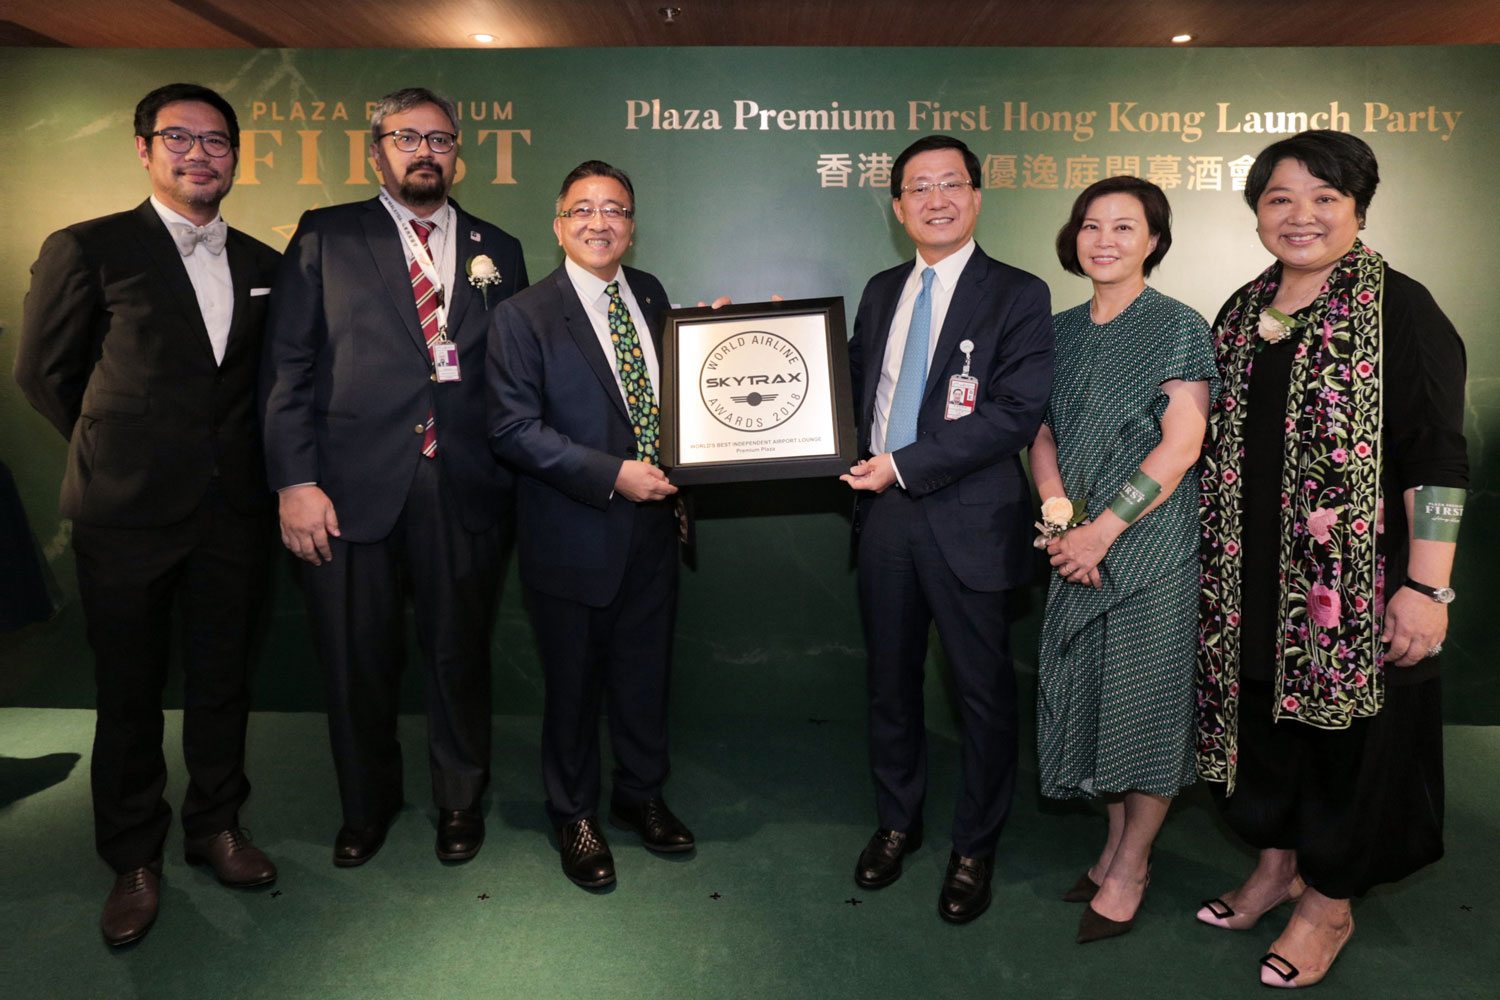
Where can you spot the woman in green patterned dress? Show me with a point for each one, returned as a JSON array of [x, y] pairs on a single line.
[[1116, 459]]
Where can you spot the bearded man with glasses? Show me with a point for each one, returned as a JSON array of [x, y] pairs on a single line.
[[373, 401], [141, 344]]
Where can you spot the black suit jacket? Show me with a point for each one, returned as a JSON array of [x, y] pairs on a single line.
[[347, 374], [557, 416], [967, 472], [115, 354]]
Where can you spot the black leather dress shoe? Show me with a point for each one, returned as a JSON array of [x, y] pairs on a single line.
[[131, 907], [235, 860], [880, 862], [585, 853], [460, 833], [659, 829], [966, 888], [354, 846]]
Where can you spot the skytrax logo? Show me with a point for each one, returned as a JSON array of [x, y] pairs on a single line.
[[753, 381]]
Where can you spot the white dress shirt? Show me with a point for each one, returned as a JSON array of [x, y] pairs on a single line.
[[209, 273], [945, 280], [441, 244], [591, 289]]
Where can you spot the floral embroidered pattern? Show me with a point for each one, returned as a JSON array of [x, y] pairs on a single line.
[[1329, 657]]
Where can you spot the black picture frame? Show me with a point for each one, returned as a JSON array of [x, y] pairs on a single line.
[[711, 385]]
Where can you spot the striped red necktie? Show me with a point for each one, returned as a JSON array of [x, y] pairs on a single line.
[[427, 303]]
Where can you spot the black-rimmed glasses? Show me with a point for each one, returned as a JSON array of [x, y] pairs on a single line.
[[178, 140], [409, 140]]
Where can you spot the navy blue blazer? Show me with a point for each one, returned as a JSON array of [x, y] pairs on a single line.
[[556, 415], [346, 383], [967, 473]]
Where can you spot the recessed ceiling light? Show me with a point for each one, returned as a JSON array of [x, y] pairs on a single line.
[[1179, 39], [483, 38]]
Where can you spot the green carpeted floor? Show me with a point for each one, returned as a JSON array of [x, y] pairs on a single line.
[[766, 907]]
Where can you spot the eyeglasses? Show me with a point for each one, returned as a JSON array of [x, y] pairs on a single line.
[[611, 213], [409, 141], [181, 141], [926, 188]]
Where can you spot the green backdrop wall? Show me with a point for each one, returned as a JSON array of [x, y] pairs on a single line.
[[765, 170]]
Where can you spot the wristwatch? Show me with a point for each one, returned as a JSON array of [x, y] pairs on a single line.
[[1443, 595]]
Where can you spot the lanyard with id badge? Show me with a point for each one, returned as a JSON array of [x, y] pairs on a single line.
[[444, 351], [963, 390]]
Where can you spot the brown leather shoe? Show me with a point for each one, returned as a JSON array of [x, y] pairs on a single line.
[[235, 860], [660, 830], [131, 907], [586, 858], [880, 862]]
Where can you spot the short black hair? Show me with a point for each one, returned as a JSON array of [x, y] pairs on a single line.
[[150, 106], [1152, 199], [595, 168], [404, 100], [927, 144], [1345, 161]]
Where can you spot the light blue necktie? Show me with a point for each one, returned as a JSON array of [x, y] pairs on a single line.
[[911, 383]]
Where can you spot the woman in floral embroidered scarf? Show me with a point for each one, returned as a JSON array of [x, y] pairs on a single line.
[[1130, 395], [1325, 560]]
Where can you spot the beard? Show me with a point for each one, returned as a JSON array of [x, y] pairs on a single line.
[[199, 195], [424, 189]]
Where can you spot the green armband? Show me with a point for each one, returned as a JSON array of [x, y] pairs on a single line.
[[1436, 511], [1135, 496]]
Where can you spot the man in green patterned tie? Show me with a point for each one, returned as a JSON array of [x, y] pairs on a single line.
[[572, 378]]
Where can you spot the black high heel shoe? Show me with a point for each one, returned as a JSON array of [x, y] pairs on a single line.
[[1083, 890], [1095, 926]]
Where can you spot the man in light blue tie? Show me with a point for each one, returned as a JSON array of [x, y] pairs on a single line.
[[952, 363]]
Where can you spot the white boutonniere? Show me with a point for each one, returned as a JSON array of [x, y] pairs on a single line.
[[1275, 326], [482, 274], [1058, 515]]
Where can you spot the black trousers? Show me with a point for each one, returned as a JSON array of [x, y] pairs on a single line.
[[357, 601], [905, 585], [1360, 806], [214, 565], [619, 655]]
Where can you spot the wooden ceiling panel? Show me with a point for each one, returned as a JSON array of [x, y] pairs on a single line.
[[124, 24], [587, 23]]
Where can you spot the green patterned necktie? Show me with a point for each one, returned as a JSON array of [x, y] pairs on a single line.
[[630, 363]]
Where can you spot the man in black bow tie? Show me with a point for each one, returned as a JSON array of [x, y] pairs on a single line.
[[141, 344]]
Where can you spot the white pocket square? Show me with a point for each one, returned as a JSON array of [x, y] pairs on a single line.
[[259, 291]]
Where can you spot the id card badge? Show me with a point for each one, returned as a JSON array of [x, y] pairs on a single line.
[[963, 391], [445, 361]]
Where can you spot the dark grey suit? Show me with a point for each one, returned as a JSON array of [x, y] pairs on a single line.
[[347, 389]]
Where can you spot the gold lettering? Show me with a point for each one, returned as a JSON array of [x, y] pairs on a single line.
[[358, 151], [504, 151], [309, 156], [248, 159]]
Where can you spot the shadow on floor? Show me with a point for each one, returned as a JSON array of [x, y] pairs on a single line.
[[22, 777]]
